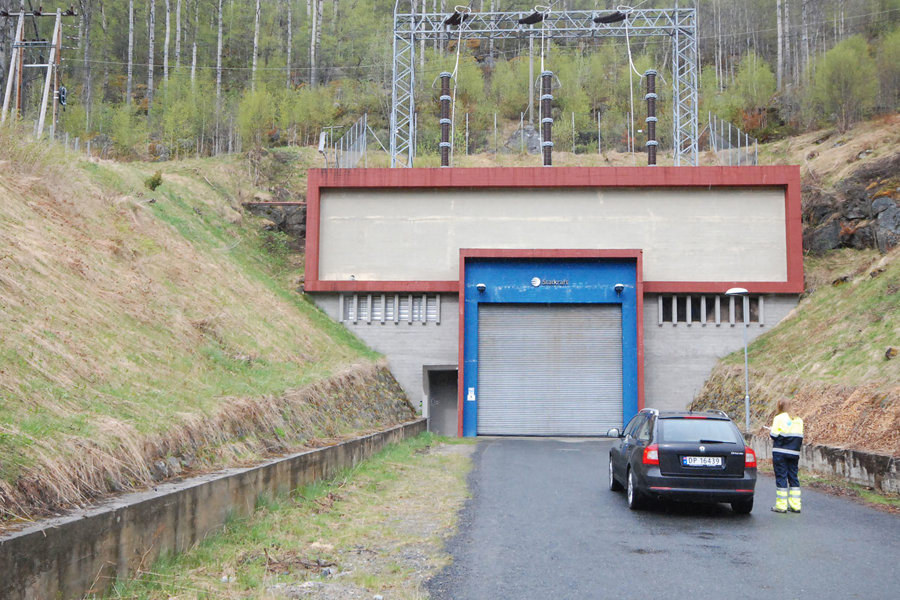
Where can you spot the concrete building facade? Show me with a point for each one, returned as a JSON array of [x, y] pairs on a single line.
[[553, 301]]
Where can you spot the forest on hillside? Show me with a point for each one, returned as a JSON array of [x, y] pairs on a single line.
[[163, 78]]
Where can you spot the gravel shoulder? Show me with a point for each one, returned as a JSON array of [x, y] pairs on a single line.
[[380, 530]]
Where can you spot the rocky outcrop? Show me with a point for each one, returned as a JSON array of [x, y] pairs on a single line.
[[289, 218], [862, 211]]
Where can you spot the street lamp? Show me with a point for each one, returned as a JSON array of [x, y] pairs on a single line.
[[740, 293]]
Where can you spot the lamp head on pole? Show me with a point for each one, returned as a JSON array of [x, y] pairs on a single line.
[[736, 292]]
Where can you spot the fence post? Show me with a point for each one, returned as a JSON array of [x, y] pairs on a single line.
[[599, 151], [496, 148], [573, 132], [522, 131], [467, 134], [730, 146]]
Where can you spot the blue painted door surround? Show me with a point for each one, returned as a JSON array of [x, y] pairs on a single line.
[[549, 281]]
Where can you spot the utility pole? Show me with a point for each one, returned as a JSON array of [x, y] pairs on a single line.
[[22, 58]]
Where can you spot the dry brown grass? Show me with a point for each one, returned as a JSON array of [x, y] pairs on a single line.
[[829, 355], [359, 399], [827, 156], [136, 325]]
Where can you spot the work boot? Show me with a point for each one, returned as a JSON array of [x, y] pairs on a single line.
[[794, 500], [781, 500]]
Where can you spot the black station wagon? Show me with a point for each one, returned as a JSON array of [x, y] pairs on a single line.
[[691, 456]]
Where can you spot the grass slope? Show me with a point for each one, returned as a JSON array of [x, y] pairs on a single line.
[[125, 312], [830, 355]]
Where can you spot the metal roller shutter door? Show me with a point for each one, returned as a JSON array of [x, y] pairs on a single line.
[[549, 369]]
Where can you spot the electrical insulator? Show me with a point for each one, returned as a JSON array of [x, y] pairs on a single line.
[[62, 95]]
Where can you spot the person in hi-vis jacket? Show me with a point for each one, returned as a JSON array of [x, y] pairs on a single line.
[[787, 437]]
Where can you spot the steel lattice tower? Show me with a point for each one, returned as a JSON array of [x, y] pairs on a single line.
[[680, 24]]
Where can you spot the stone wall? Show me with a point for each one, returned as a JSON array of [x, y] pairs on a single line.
[[877, 471]]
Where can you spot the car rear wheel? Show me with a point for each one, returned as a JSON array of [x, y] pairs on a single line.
[[613, 484], [635, 498], [742, 507]]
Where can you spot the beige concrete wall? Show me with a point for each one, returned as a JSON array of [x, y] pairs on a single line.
[[734, 234], [408, 346], [679, 357]]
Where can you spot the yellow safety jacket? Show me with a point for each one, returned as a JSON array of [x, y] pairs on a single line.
[[787, 434]]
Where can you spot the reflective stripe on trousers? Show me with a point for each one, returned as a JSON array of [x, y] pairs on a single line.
[[781, 499], [794, 499]]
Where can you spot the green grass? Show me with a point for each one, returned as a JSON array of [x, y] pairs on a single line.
[[841, 331], [327, 520]]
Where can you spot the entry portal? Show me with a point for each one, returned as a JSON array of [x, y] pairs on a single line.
[[549, 369]]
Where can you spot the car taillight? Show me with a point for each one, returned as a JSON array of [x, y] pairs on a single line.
[[651, 455], [749, 457]]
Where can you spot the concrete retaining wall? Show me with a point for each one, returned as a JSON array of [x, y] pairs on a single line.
[[85, 552], [877, 471]]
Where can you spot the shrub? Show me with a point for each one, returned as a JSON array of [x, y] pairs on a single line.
[[154, 181]]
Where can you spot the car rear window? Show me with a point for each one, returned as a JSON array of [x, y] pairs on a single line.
[[695, 430]]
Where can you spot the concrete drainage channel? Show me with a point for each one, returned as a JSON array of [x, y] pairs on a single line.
[[878, 471], [86, 551]]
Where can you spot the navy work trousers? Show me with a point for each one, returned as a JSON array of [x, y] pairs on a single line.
[[786, 467]]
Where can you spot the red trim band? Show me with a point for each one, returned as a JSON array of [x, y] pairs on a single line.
[[787, 177]]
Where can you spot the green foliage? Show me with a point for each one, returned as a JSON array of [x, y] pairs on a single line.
[[754, 84], [176, 112], [510, 87], [746, 99], [154, 181], [129, 130], [889, 70], [256, 116], [845, 82]]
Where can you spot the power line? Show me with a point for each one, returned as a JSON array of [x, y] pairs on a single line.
[[378, 67]]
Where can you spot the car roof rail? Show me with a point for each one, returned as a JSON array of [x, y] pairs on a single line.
[[651, 411]]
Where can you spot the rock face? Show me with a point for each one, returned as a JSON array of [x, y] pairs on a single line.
[[861, 212], [532, 140], [289, 218]]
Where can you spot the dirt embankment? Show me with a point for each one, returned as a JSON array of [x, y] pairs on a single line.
[[836, 355], [363, 398], [861, 417]]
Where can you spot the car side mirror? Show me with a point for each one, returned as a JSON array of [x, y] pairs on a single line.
[[613, 432]]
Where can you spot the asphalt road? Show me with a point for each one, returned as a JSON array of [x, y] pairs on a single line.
[[542, 523]]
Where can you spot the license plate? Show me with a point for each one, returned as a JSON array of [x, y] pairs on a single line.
[[701, 461]]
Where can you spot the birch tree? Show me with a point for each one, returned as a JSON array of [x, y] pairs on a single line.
[[177, 34], [166, 45], [219, 75], [86, 12], [779, 61], [129, 85], [315, 40], [255, 48], [194, 43], [290, 39], [787, 39], [150, 50], [804, 34]]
